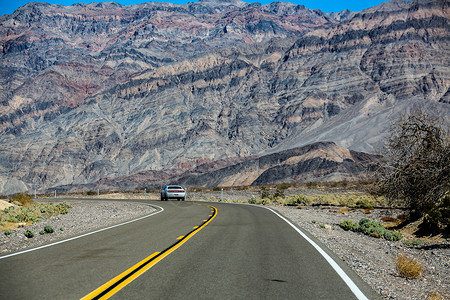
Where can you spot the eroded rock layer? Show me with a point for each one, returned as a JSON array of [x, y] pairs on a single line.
[[99, 91]]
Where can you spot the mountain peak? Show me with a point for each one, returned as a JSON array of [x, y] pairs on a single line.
[[101, 90]]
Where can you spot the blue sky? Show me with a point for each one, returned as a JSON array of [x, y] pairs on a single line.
[[9, 6]]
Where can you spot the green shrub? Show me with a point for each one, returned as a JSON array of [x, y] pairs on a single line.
[[49, 229], [348, 225], [364, 203], [63, 208], [372, 228], [414, 243], [252, 200], [7, 232], [367, 226], [393, 236], [42, 232], [363, 222], [377, 232], [33, 214], [29, 233], [417, 242], [291, 201], [62, 229]]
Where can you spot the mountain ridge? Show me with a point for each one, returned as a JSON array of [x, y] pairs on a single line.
[[133, 108]]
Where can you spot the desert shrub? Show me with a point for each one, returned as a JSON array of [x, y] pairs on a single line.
[[7, 232], [304, 200], [407, 243], [63, 208], [279, 193], [348, 225], [343, 210], [407, 267], [91, 193], [29, 233], [284, 186], [33, 214], [377, 232], [372, 228], [416, 169], [22, 200], [42, 232], [291, 201], [364, 203], [414, 243], [49, 229], [365, 225], [435, 296], [312, 185], [62, 228], [264, 193], [28, 215], [392, 236], [252, 200], [417, 242]]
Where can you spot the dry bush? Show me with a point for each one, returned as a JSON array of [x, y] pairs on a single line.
[[343, 210], [407, 267], [416, 169], [435, 296], [22, 199]]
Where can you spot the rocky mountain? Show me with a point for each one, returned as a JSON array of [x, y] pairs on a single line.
[[96, 91], [324, 161]]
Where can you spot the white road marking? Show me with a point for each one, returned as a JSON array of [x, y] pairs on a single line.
[[86, 234], [353, 287]]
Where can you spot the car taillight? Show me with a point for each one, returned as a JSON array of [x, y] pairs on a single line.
[[176, 191]]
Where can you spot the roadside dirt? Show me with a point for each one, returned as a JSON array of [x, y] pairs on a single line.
[[5, 204]]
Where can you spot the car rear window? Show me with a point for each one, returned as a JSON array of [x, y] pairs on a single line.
[[174, 188]]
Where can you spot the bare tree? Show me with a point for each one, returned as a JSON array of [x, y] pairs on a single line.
[[416, 172]]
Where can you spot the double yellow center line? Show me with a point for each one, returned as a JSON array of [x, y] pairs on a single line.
[[117, 283]]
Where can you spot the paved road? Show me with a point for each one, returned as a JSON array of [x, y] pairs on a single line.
[[242, 252]]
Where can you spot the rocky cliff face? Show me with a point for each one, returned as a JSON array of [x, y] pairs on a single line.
[[102, 90], [323, 161]]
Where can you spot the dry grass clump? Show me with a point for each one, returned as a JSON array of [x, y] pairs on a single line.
[[22, 200], [391, 222], [435, 296], [407, 267], [343, 210]]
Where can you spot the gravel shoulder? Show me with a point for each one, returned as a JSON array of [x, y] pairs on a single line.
[[83, 217], [373, 259]]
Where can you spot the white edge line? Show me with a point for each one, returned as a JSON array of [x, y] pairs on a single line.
[[86, 234], [353, 287]]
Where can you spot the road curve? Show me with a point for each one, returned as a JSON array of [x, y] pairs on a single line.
[[245, 252]]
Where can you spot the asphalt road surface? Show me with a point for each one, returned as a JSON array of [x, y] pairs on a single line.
[[187, 251]]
